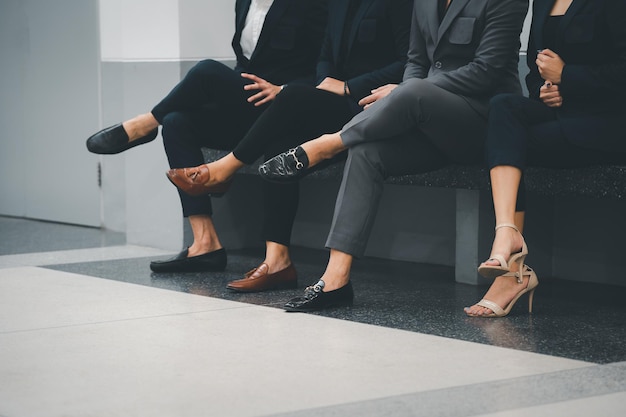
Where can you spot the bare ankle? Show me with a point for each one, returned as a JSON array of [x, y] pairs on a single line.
[[277, 256]]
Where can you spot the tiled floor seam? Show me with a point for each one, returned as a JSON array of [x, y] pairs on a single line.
[[480, 399], [109, 253], [97, 323]]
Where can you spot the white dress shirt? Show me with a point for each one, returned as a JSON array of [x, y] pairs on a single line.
[[254, 24]]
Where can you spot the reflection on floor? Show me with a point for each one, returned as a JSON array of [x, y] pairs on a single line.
[[571, 321]]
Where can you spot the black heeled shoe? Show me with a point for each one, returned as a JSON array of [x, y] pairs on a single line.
[[114, 139], [315, 299], [285, 167]]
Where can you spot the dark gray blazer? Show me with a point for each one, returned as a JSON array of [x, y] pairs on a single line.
[[474, 52]]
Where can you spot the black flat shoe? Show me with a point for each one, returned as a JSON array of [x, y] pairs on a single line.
[[212, 261], [114, 139], [288, 166], [315, 299]]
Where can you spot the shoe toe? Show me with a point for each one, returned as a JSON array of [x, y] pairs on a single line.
[[108, 141], [114, 139]]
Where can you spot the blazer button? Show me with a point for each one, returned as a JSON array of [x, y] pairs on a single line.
[[438, 65]]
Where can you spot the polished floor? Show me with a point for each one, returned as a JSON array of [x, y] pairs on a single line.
[[87, 330]]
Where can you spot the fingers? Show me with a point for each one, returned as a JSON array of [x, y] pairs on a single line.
[[367, 100], [549, 53], [552, 100], [267, 99], [252, 77], [377, 94], [257, 96], [258, 83], [550, 95]]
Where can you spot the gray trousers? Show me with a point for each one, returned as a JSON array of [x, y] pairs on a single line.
[[419, 127]]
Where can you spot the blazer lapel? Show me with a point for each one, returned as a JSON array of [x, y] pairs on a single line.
[[243, 12], [279, 7], [360, 13], [453, 10], [342, 12], [567, 17], [540, 14], [432, 15]]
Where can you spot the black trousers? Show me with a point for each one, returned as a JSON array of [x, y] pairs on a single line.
[[524, 132], [298, 113], [208, 108]]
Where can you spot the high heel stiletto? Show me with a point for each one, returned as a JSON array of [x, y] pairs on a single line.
[[498, 311], [493, 271]]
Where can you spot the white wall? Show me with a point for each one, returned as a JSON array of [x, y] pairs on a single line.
[[143, 43], [49, 100], [153, 30], [139, 30]]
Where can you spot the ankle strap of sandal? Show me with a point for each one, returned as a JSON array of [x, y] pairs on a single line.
[[511, 225]]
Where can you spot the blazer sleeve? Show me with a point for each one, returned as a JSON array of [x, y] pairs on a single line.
[[418, 63], [399, 17], [504, 20], [533, 79], [317, 23], [593, 82], [325, 65]]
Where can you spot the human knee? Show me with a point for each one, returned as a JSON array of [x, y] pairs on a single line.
[[292, 91], [415, 90], [503, 103], [205, 66]]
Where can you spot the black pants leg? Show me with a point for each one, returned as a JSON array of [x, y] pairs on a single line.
[[208, 108], [299, 113], [525, 132]]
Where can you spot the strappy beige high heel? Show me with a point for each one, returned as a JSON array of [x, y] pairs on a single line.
[[493, 271], [498, 311]]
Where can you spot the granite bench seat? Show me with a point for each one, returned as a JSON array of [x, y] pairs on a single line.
[[605, 181], [473, 204]]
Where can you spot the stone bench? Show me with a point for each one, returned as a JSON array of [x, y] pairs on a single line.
[[471, 185]]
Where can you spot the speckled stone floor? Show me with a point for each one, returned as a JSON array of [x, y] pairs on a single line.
[[70, 312], [572, 320]]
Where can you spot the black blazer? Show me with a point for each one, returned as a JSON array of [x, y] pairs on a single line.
[[289, 44], [376, 49], [474, 52], [591, 40]]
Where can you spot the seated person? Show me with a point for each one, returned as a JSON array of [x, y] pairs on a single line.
[[459, 57], [275, 42], [365, 47], [574, 117]]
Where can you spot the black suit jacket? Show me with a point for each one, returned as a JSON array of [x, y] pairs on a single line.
[[290, 41], [474, 52], [376, 48], [591, 40]]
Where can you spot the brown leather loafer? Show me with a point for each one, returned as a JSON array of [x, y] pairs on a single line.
[[258, 279], [193, 181]]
